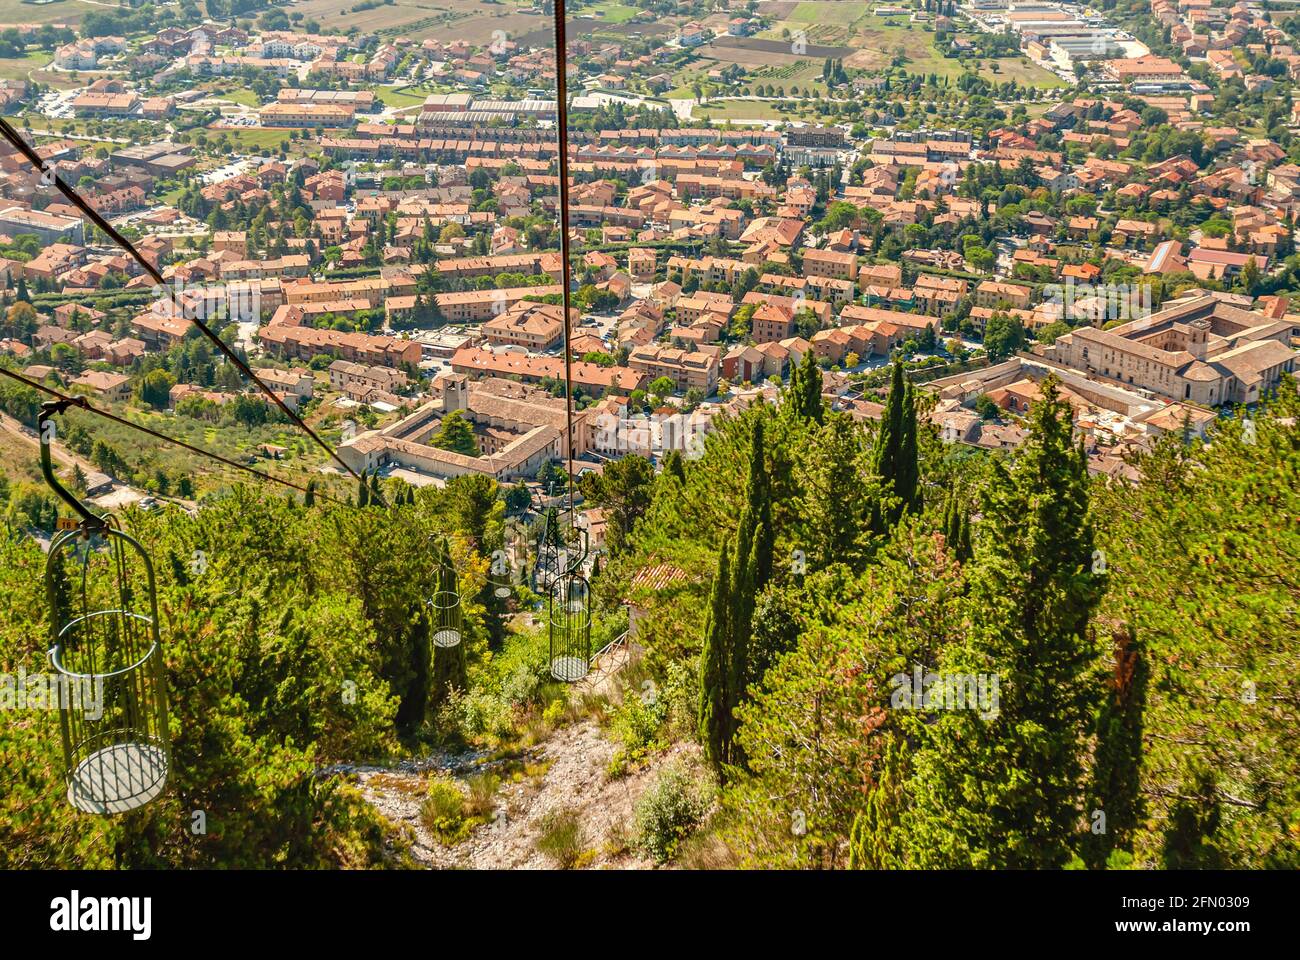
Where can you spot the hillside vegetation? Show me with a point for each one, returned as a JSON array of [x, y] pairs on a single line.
[[1132, 651]]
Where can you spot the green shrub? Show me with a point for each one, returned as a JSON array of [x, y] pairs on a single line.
[[444, 811], [481, 802], [561, 837], [639, 726], [669, 811]]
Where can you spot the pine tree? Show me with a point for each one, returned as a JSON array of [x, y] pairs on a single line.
[[1003, 787], [59, 592], [838, 496]]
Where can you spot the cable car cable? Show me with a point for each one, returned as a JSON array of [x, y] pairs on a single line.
[[49, 175], [566, 268], [84, 404]]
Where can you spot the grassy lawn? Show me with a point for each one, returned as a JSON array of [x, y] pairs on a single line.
[[842, 11], [612, 12], [877, 40], [18, 68], [238, 95], [256, 138], [60, 11], [400, 96], [738, 110]]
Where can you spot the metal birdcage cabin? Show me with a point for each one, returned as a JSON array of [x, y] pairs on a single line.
[[570, 619], [445, 617], [99, 583]]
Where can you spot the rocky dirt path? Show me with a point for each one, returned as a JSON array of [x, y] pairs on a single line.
[[568, 770]]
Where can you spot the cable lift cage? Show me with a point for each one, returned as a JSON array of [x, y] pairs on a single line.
[[444, 606], [99, 584], [570, 618]]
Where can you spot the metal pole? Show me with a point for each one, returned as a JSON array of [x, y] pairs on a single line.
[[562, 139]]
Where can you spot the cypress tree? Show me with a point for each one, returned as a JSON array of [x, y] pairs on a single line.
[[907, 484], [1117, 761], [757, 514], [309, 496], [804, 394], [956, 529], [952, 526], [363, 491], [965, 551], [811, 381], [895, 454], [675, 465], [741, 626], [713, 718], [875, 838]]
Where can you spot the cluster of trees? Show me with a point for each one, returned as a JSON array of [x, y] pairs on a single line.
[[972, 662], [284, 654]]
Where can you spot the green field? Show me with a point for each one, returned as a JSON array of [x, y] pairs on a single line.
[[20, 68], [400, 96], [238, 95], [878, 41], [254, 138], [611, 12], [841, 12], [60, 11], [739, 110]]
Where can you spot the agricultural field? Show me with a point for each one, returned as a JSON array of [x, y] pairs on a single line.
[[22, 68], [400, 97], [739, 110], [474, 21], [864, 41], [54, 11], [609, 12]]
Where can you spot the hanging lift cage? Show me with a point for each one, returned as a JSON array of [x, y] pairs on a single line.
[[570, 619], [444, 606], [106, 655]]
